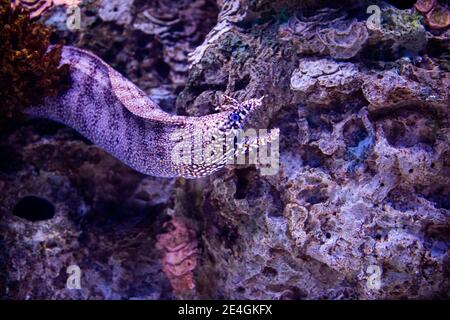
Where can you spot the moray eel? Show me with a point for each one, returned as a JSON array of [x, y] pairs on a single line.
[[117, 116]]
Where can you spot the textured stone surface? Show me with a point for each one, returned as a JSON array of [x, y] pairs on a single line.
[[364, 161], [104, 217], [363, 173]]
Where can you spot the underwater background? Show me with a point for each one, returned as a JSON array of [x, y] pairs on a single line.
[[361, 100]]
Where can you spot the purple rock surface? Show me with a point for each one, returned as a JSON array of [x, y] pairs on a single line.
[[362, 193]]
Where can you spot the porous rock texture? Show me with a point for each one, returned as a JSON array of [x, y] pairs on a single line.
[[364, 159]]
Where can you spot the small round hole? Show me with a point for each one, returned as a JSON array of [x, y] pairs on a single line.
[[34, 209]]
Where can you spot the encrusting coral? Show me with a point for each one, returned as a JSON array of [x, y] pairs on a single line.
[[437, 15], [29, 71], [179, 249]]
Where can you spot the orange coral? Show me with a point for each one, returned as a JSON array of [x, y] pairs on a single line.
[[437, 16], [425, 6], [179, 248], [29, 72]]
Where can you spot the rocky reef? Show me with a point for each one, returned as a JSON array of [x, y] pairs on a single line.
[[364, 178]]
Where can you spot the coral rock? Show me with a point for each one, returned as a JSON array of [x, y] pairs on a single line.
[[119, 11], [425, 6], [362, 184], [439, 17], [321, 80], [179, 247]]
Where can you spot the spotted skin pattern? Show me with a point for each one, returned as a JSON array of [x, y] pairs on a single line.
[[117, 116]]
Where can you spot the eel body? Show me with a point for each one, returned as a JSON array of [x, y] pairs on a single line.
[[117, 116]]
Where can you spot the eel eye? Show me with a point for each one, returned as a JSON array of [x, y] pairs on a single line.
[[234, 117]]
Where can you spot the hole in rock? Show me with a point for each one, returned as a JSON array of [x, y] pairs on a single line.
[[162, 68], [402, 199], [313, 196], [277, 209], [270, 272], [354, 132], [243, 183], [34, 209], [312, 156], [319, 122], [407, 129], [242, 83]]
